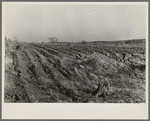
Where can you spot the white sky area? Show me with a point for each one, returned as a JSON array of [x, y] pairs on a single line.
[[35, 22]]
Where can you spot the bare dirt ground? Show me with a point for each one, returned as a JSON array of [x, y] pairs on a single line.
[[65, 73]]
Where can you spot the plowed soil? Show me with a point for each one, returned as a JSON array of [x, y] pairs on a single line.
[[51, 73]]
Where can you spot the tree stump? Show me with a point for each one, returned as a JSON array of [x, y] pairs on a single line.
[[103, 88]]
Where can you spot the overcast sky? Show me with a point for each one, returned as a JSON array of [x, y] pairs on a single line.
[[74, 22]]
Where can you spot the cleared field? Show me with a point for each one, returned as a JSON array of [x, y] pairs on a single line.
[[67, 73]]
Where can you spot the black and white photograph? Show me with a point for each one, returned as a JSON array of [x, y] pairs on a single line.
[[72, 52]]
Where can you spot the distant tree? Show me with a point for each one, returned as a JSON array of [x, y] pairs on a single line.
[[15, 39], [53, 39], [83, 42]]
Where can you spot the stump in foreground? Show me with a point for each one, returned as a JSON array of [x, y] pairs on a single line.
[[103, 88]]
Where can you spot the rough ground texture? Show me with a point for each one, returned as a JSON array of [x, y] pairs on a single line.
[[64, 73]]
